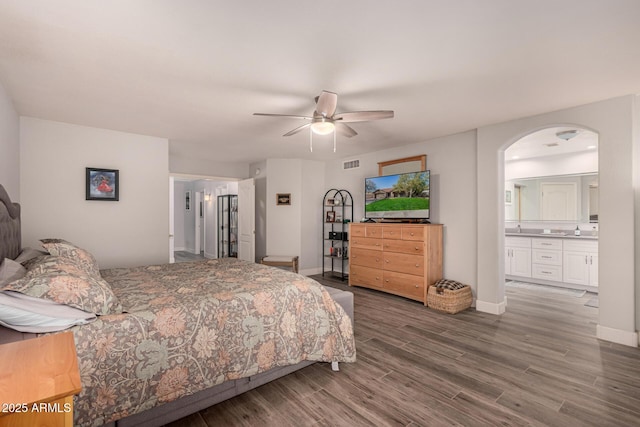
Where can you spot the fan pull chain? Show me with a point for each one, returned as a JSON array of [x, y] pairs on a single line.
[[334, 140], [310, 140]]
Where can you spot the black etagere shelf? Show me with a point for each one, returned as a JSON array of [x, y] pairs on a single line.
[[337, 213]]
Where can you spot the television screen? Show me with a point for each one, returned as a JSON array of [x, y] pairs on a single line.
[[402, 196]]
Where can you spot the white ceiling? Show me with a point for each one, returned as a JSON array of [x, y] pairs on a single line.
[[194, 71]]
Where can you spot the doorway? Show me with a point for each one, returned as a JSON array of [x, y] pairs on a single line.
[[193, 210], [550, 184]]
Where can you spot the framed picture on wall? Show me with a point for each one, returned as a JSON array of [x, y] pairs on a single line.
[[187, 200], [283, 199], [102, 184]]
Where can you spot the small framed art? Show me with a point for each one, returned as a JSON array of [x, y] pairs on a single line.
[[102, 184], [283, 199], [331, 216]]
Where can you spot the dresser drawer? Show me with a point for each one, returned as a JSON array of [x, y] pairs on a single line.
[[366, 243], [549, 243], [373, 231], [407, 285], [547, 272], [403, 246], [356, 230], [392, 232], [365, 276], [404, 263], [548, 257], [412, 233], [366, 257]]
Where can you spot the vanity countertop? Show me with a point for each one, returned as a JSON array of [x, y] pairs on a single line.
[[554, 235]]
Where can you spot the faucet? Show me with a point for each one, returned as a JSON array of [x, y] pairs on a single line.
[[518, 230]]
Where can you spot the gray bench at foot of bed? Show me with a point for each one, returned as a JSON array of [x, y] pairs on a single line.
[[188, 405]]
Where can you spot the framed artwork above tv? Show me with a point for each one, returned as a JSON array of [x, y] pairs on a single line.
[[407, 164]]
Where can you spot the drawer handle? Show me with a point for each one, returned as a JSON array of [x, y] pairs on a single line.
[[417, 265], [386, 260], [377, 259], [411, 234], [377, 244], [417, 248], [387, 280], [546, 272], [546, 257], [417, 286], [377, 278]]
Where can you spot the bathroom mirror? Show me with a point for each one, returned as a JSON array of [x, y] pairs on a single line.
[[572, 198]]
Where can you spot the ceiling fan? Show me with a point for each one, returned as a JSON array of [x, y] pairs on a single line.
[[325, 119]]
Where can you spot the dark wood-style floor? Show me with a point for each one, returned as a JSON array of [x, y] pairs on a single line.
[[538, 364]]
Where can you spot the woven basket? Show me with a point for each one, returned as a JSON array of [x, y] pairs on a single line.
[[449, 301]]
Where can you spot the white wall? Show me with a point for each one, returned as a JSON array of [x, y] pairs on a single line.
[[284, 222], [53, 157], [451, 161], [565, 164], [179, 188], [259, 172], [312, 192], [613, 121], [295, 229], [9, 146], [206, 167]]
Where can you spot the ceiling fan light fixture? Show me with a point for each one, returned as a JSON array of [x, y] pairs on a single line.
[[322, 127]]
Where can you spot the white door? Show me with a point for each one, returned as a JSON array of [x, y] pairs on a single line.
[[559, 201], [172, 258], [247, 220]]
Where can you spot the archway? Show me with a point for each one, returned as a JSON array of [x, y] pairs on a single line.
[[551, 190], [611, 119]]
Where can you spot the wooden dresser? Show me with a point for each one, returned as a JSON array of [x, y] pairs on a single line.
[[401, 259], [38, 378]]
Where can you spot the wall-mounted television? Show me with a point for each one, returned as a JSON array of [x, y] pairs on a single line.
[[397, 197]]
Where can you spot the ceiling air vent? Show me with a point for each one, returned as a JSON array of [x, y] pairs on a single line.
[[351, 164]]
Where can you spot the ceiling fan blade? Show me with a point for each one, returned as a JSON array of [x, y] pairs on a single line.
[[363, 116], [283, 115], [296, 130], [326, 104], [345, 130]]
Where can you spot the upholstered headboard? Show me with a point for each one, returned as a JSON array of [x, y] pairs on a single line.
[[10, 235]]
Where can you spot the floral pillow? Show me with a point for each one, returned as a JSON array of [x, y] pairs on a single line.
[[61, 280], [62, 248]]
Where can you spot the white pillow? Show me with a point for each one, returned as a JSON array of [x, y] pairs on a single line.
[[11, 270], [30, 314]]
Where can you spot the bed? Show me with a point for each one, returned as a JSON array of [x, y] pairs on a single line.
[[157, 343]]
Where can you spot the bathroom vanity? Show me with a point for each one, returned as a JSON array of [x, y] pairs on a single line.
[[557, 259]]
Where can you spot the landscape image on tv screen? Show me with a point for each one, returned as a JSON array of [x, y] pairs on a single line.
[[397, 196]]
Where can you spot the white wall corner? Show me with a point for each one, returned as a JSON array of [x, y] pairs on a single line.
[[617, 336], [492, 307]]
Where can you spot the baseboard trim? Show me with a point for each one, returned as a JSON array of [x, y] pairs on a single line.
[[617, 336], [208, 255], [491, 307]]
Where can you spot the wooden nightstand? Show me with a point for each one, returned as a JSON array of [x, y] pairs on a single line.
[[38, 379]]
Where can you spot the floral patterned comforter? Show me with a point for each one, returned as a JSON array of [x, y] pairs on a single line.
[[190, 326]]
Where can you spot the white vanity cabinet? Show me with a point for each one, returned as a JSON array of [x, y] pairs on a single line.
[[580, 263], [517, 259], [546, 259]]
